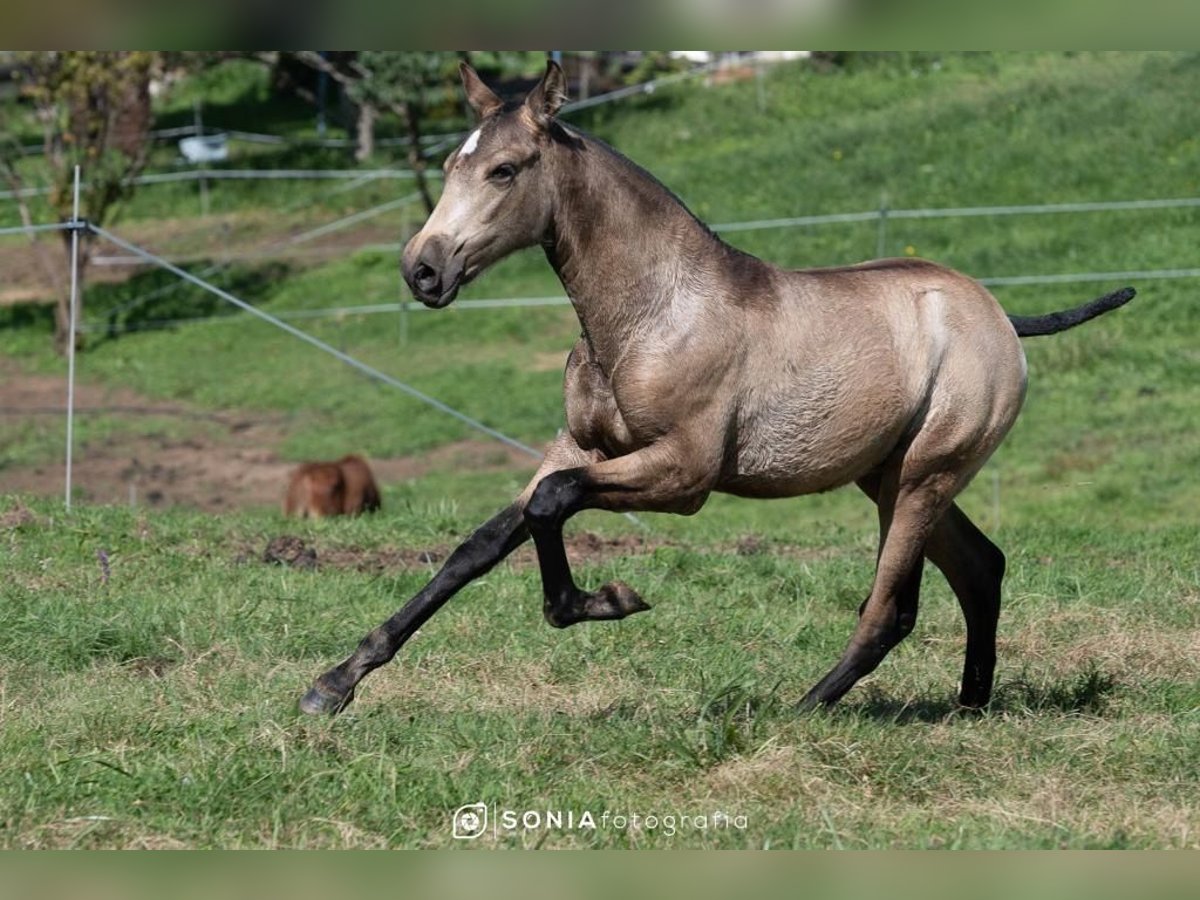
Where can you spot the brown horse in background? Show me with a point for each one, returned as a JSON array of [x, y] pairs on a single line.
[[342, 488]]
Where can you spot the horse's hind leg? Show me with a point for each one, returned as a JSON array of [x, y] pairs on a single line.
[[974, 566], [908, 597], [909, 511]]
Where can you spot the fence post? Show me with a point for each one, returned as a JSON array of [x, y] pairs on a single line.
[[202, 180], [73, 317], [404, 238], [760, 84]]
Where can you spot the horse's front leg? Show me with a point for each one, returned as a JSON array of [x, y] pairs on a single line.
[[666, 477], [486, 546]]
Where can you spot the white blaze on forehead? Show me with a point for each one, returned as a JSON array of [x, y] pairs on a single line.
[[472, 142]]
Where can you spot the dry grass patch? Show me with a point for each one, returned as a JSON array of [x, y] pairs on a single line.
[[495, 685], [759, 774], [1108, 641], [1103, 812]]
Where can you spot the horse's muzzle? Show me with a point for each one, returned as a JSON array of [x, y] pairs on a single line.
[[433, 275]]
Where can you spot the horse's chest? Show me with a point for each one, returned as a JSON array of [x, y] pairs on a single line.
[[594, 418]]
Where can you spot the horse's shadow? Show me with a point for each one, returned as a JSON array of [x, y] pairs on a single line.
[[1085, 693]]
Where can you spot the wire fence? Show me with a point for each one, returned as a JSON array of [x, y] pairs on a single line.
[[279, 319], [248, 175], [78, 226], [882, 216], [490, 303], [883, 213], [431, 145]]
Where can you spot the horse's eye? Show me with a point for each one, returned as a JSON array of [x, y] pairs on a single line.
[[503, 172]]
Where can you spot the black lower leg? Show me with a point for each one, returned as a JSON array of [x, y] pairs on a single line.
[[861, 658], [557, 497], [489, 544], [974, 566], [979, 667]]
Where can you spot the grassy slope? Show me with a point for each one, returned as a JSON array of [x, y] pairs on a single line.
[[161, 700]]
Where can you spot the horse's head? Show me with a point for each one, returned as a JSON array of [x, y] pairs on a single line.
[[496, 196]]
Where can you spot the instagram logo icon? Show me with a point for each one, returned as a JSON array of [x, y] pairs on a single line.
[[470, 821]]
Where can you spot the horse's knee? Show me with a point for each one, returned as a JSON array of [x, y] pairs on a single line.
[[540, 510], [554, 498]]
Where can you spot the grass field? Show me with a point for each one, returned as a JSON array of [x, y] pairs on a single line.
[[150, 660]]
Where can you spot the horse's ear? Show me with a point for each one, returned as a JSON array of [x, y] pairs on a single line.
[[481, 97], [547, 98]]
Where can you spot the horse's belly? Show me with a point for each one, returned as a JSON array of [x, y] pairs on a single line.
[[813, 449], [785, 477]]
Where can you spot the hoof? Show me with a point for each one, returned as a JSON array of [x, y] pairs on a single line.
[[615, 600], [317, 702], [975, 693]]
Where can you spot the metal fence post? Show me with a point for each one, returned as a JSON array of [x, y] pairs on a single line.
[[202, 180], [71, 337]]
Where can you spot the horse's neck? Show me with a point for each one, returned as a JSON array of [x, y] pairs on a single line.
[[620, 244]]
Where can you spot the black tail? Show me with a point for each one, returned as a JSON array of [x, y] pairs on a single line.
[[1052, 323]]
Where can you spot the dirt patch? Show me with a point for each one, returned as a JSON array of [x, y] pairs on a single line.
[[213, 461], [295, 552], [583, 548], [289, 550], [587, 547], [151, 666], [552, 361], [756, 775], [381, 559], [227, 460]]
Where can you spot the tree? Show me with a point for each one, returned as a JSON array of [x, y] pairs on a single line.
[[94, 109], [407, 83], [404, 82], [342, 66], [411, 84]]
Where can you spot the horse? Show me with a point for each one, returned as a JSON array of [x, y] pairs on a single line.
[[701, 368], [344, 487]]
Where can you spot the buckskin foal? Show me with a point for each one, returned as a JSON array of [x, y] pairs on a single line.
[[701, 368]]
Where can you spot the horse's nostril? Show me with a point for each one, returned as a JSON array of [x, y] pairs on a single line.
[[425, 277]]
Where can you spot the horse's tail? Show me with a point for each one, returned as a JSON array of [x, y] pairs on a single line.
[[1052, 323]]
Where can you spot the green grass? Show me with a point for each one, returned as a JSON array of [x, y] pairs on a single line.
[[156, 707]]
